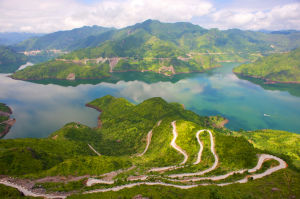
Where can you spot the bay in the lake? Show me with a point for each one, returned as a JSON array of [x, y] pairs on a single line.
[[43, 107]]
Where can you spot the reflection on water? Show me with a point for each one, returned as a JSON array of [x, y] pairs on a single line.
[[293, 89], [147, 77], [43, 108]]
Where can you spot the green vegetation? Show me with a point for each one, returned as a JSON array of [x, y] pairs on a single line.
[[124, 126], [164, 48], [65, 40], [11, 193], [61, 70], [280, 142], [4, 108], [10, 60], [61, 186], [148, 77], [278, 68], [187, 36], [285, 183], [4, 116]]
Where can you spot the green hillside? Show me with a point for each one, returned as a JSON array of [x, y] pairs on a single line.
[[133, 145], [166, 48], [64, 40], [185, 35], [281, 68], [276, 141], [10, 60]]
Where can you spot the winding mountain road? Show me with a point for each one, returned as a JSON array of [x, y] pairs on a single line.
[[263, 158], [92, 181], [28, 192], [201, 147], [149, 136], [175, 146], [213, 167]]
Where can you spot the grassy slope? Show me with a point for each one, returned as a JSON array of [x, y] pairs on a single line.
[[277, 67], [280, 142], [124, 127], [123, 132]]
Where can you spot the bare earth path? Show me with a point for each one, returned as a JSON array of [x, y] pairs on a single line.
[[175, 146], [212, 148], [263, 157], [201, 147], [28, 192], [149, 136], [92, 148]]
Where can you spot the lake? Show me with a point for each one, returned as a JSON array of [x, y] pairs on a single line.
[[43, 107]]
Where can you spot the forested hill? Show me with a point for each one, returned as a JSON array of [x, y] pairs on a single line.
[[66, 40], [167, 48], [155, 148], [182, 34], [283, 68], [10, 60]]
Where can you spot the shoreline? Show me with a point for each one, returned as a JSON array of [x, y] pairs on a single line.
[[99, 123], [105, 76], [266, 81], [9, 123]]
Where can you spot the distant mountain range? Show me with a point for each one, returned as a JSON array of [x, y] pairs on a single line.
[[67, 40], [184, 35], [12, 38], [168, 48]]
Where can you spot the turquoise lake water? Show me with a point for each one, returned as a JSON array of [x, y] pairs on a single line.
[[43, 107]]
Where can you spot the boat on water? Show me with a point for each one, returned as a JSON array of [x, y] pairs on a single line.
[[266, 115]]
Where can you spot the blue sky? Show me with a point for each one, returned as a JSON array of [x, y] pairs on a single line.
[[53, 15]]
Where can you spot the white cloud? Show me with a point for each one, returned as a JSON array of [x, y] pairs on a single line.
[[279, 17], [53, 15]]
